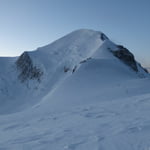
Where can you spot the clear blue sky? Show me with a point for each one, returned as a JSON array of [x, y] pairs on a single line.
[[28, 24]]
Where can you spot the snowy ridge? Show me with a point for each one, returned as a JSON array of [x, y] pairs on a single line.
[[81, 92]]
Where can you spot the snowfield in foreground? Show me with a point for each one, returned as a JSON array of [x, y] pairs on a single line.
[[122, 124], [82, 92]]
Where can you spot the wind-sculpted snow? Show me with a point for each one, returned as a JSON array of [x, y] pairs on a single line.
[[82, 92], [121, 124]]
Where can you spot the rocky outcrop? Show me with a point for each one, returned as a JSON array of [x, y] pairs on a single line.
[[103, 37], [85, 60], [26, 68], [126, 56], [66, 69]]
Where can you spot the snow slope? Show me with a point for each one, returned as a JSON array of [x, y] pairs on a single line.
[[82, 92], [117, 124]]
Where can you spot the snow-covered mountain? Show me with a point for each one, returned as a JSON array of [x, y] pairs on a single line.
[[81, 92], [25, 80]]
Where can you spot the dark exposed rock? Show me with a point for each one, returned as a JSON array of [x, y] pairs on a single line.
[[85, 60], [27, 69], [74, 69], [126, 56], [145, 70], [66, 69], [103, 37]]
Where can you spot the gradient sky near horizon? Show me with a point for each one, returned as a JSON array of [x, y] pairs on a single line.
[[28, 24]]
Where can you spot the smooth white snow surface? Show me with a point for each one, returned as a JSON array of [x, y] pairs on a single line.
[[100, 103]]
